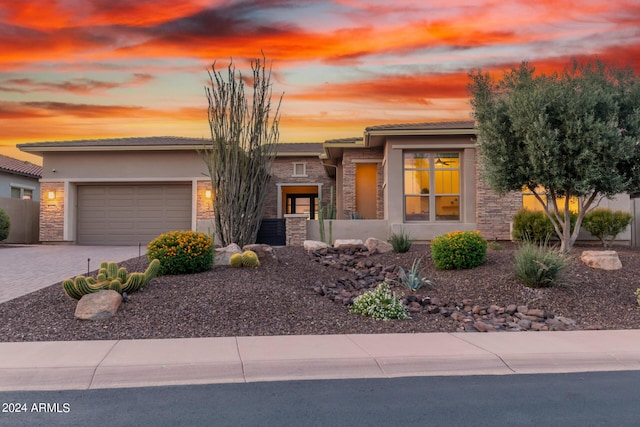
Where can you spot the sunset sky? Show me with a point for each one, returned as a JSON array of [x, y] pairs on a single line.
[[78, 69]]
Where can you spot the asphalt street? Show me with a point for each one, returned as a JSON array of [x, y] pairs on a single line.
[[576, 399]]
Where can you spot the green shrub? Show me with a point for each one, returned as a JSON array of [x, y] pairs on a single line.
[[414, 278], [535, 226], [181, 252], [380, 304], [539, 266], [605, 224], [401, 242], [532, 226], [5, 225], [458, 250], [638, 296]]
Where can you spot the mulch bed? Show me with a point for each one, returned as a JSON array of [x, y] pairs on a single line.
[[278, 298]]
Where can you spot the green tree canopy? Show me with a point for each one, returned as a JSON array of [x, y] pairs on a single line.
[[575, 134]]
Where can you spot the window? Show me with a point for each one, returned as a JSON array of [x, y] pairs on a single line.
[[21, 193], [303, 204], [299, 169], [530, 202], [431, 186]]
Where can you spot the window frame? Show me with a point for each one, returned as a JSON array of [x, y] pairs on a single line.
[[304, 170], [432, 156]]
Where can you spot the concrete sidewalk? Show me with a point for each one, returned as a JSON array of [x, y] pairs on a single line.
[[137, 363]]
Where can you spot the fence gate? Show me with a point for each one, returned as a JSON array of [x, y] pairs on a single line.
[[272, 232]]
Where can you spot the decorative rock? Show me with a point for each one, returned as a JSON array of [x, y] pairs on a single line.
[[264, 252], [363, 275], [524, 324], [314, 245], [348, 244], [372, 244], [536, 313], [223, 254], [98, 306], [603, 260]]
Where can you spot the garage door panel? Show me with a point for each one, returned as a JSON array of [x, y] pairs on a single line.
[[131, 214]]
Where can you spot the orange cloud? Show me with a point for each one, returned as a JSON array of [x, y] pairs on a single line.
[[77, 86], [391, 89]]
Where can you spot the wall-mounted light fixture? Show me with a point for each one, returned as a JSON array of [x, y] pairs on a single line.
[[207, 194], [51, 195]]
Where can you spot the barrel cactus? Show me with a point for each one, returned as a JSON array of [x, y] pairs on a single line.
[[236, 261], [110, 277], [250, 259]]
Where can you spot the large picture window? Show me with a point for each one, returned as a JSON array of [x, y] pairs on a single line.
[[431, 186]]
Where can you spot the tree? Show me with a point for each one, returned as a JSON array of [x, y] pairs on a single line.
[[574, 134], [243, 146]]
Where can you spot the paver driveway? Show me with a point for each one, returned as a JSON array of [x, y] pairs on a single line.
[[27, 268]]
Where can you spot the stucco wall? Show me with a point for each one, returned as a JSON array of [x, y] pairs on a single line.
[[7, 180]]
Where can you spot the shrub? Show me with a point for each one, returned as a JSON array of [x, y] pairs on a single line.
[[401, 241], [605, 224], [638, 296], [458, 250], [414, 279], [181, 252], [539, 266], [535, 226], [532, 226], [380, 304], [5, 225]]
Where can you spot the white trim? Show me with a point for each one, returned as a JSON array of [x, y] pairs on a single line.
[[304, 170], [279, 186]]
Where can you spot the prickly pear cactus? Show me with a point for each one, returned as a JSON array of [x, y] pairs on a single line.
[[236, 261], [250, 259]]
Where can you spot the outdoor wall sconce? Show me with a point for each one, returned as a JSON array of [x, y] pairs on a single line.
[[51, 195], [207, 194]]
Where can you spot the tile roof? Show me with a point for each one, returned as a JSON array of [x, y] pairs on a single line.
[[20, 167], [468, 124], [353, 140], [156, 141], [118, 142]]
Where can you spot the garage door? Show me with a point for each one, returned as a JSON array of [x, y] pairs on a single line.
[[131, 214]]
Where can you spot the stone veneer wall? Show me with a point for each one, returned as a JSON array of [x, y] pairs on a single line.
[[282, 172], [494, 213], [204, 207], [52, 212], [296, 226], [349, 180]]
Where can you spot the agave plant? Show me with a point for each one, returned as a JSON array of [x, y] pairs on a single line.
[[414, 278]]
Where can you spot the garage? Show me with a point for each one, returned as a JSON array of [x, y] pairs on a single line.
[[131, 214]]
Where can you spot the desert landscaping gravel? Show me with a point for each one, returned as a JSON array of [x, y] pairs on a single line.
[[278, 298]]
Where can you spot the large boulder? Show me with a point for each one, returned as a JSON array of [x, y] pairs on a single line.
[[376, 245], [603, 260], [98, 306], [223, 254], [348, 244], [314, 245], [263, 251]]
